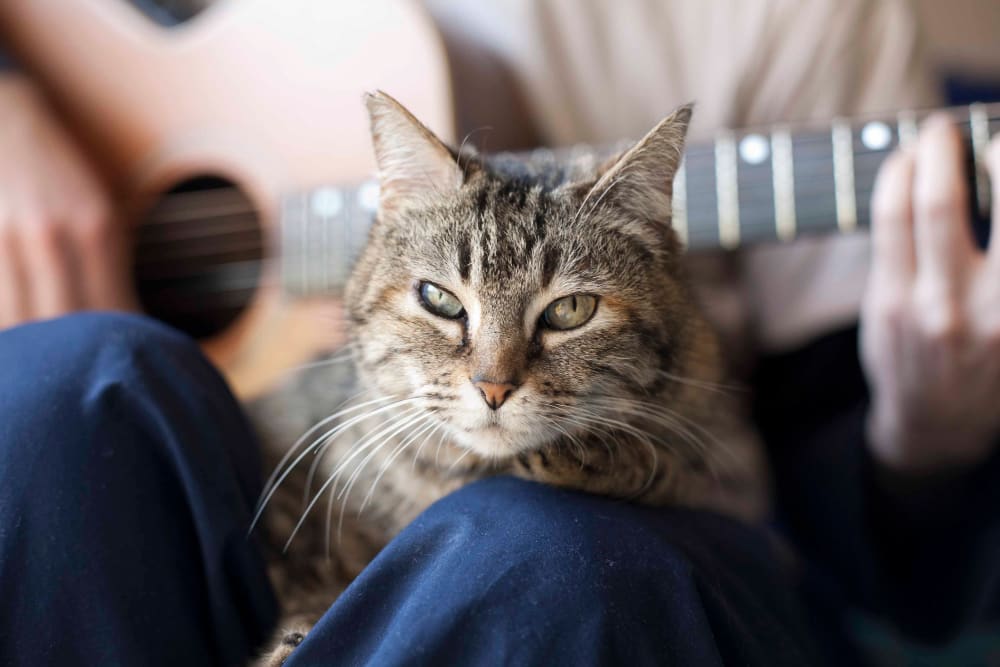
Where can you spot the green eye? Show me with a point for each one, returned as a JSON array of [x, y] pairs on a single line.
[[440, 302], [569, 312]]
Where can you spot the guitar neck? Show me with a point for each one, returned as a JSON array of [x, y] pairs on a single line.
[[743, 187], [778, 184]]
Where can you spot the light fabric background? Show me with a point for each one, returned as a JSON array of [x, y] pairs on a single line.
[[595, 71]]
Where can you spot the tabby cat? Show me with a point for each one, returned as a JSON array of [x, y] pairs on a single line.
[[504, 319]]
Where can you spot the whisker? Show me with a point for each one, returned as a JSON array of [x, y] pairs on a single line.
[[430, 426], [330, 480], [416, 454], [369, 442], [266, 497], [344, 493], [437, 453], [592, 430], [360, 446], [344, 357], [719, 387], [320, 424], [659, 414], [457, 461]]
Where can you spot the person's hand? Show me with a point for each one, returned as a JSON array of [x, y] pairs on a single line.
[[930, 323], [60, 249]]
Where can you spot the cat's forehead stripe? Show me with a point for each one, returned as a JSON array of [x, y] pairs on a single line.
[[464, 255], [510, 232], [550, 262]]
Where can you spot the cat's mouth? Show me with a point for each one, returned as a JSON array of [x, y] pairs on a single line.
[[489, 437]]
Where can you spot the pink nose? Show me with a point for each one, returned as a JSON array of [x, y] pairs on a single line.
[[494, 393]]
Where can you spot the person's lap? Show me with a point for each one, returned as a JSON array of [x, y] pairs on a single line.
[[511, 572], [125, 488], [125, 493]]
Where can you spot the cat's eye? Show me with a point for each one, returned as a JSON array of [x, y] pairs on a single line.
[[569, 312], [440, 302]]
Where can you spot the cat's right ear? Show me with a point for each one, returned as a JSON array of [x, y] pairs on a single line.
[[413, 164], [641, 179]]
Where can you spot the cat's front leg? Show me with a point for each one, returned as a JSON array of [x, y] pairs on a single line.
[[290, 633]]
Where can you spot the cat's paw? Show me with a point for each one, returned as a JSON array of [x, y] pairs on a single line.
[[286, 642]]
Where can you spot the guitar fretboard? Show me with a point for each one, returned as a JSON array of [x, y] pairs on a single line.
[[744, 187]]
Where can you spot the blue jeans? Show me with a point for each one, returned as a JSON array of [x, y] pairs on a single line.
[[127, 477]]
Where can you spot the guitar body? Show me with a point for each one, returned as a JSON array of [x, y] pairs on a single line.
[[264, 94]]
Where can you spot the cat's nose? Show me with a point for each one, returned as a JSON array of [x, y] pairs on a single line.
[[494, 393]]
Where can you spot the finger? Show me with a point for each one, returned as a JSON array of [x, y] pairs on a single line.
[[944, 246], [892, 220], [993, 167], [49, 273], [12, 296], [102, 255]]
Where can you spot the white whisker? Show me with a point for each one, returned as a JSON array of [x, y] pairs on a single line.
[[430, 426], [330, 480], [305, 452]]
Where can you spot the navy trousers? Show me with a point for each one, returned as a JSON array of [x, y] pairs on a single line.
[[127, 475]]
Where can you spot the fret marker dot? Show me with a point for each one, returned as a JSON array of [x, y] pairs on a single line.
[[876, 136], [754, 149], [326, 202], [368, 196]]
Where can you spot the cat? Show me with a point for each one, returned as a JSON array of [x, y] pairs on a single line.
[[505, 318]]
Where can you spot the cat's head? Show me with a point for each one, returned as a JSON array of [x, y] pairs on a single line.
[[511, 312]]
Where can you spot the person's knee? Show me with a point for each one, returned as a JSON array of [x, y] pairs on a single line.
[[65, 380], [586, 546], [616, 577], [111, 410]]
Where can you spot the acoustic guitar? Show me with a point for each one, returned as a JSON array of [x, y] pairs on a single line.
[[238, 144]]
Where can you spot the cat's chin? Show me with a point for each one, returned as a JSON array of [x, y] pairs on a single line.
[[492, 442]]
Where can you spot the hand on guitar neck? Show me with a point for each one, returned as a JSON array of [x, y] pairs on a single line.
[[931, 317], [60, 247]]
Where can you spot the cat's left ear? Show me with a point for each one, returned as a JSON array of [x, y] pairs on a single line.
[[413, 164], [641, 180]]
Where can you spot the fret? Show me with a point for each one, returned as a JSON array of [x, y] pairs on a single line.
[[843, 176], [979, 122], [783, 179], [727, 192], [678, 202], [906, 127]]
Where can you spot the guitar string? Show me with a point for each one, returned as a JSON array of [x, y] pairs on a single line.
[[148, 248], [757, 177], [755, 183], [802, 142], [267, 278]]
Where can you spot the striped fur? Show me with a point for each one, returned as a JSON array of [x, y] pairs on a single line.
[[632, 404]]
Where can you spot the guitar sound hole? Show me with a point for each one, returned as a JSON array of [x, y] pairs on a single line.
[[198, 256]]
